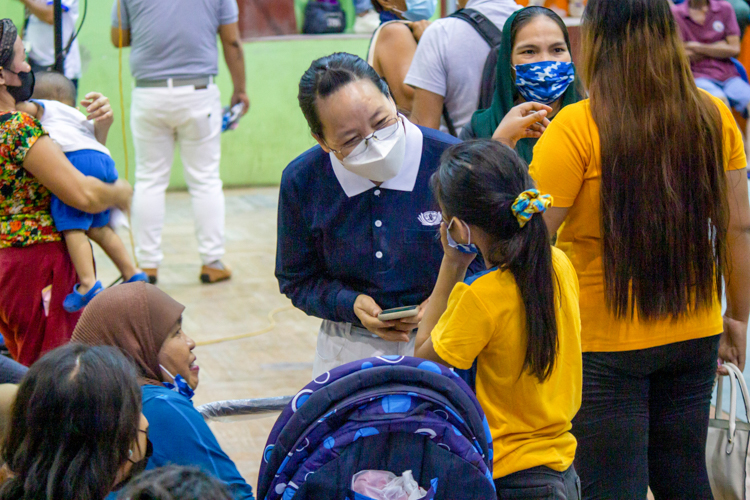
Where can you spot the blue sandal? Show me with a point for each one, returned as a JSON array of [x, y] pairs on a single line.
[[138, 277], [75, 301]]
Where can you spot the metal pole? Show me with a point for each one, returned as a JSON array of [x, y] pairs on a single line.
[[59, 57]]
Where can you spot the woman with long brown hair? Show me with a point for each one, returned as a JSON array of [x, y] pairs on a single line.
[[649, 176]]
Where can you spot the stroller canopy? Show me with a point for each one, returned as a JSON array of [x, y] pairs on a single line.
[[393, 413]]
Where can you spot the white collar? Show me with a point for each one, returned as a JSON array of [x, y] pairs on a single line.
[[353, 184]]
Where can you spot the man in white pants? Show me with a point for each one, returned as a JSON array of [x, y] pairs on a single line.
[[174, 60]]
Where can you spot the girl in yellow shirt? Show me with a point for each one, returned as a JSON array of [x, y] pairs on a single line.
[[649, 178], [519, 319]]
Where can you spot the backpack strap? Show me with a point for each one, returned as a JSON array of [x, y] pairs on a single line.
[[486, 28], [449, 122], [488, 31]]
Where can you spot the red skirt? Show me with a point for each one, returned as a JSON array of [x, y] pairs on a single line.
[[25, 272]]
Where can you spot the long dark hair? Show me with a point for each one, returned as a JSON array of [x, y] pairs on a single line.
[[477, 182], [175, 483], [327, 75], [664, 212], [73, 422]]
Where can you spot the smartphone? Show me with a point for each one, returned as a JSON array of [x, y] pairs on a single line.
[[398, 313]]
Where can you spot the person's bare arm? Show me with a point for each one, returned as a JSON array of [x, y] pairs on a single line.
[[733, 342], [393, 53], [452, 270], [48, 164], [718, 50], [235, 59], [115, 37], [40, 9], [426, 108], [30, 108], [554, 217]]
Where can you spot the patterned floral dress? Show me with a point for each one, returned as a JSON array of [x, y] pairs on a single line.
[[25, 217], [35, 269]]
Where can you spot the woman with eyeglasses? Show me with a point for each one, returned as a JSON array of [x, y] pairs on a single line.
[[146, 324], [357, 222], [76, 428]]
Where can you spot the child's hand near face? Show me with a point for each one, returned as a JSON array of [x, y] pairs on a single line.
[[98, 109]]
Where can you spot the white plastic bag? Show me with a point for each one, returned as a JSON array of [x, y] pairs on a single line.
[[385, 485]]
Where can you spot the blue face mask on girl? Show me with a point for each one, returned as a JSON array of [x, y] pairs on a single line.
[[180, 385], [544, 82], [418, 10], [461, 247]]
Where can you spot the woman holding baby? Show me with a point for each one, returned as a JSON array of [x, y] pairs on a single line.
[[36, 272]]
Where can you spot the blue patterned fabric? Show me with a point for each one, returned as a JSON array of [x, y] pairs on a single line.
[[544, 81], [420, 397]]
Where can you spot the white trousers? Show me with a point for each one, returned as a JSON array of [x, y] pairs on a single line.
[[160, 118], [340, 343]]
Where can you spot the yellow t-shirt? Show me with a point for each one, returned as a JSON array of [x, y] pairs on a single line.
[[529, 420], [567, 165]]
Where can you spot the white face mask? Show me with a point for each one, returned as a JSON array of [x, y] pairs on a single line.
[[381, 160]]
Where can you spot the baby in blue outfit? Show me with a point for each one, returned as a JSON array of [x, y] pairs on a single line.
[[82, 140]]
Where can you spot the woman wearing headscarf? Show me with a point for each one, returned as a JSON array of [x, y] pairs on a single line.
[[146, 323], [32, 169], [534, 64]]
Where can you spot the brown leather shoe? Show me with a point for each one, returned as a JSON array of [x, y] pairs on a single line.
[[152, 274], [214, 275]]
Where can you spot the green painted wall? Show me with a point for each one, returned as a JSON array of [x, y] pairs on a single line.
[[269, 137]]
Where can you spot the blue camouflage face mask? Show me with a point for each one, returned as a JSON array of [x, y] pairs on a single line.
[[180, 385], [545, 81], [418, 10]]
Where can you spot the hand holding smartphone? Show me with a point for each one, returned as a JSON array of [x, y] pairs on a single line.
[[399, 313]]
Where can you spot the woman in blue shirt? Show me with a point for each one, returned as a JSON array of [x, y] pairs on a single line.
[[146, 323]]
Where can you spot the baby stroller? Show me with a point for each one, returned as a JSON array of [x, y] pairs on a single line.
[[389, 413]]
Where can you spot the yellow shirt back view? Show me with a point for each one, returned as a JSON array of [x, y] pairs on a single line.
[[567, 165], [529, 420]]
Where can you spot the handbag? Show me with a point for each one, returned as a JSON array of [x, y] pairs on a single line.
[[324, 17], [727, 444]]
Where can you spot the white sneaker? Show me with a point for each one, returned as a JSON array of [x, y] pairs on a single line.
[[367, 23]]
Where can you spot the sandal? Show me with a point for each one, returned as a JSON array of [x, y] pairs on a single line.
[[138, 277], [75, 301]]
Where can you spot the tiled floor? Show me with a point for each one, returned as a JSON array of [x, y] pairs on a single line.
[[271, 364]]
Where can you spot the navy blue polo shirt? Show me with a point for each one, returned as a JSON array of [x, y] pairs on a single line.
[[379, 241]]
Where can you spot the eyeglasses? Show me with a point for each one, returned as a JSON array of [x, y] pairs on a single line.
[[149, 449], [359, 145]]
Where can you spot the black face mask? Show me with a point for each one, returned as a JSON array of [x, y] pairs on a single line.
[[24, 91], [137, 467]]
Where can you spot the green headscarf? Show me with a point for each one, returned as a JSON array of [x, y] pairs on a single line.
[[484, 122]]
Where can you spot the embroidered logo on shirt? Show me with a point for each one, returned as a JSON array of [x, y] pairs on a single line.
[[430, 218], [718, 26]]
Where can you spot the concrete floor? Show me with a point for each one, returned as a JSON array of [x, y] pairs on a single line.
[[275, 363]]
